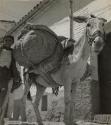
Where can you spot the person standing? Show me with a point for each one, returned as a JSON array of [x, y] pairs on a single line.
[[8, 71]]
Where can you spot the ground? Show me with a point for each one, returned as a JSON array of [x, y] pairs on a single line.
[[86, 103]]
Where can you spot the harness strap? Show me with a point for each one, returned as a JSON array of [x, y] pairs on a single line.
[[91, 38]]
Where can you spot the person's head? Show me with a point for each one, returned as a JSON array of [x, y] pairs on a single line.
[[8, 41]]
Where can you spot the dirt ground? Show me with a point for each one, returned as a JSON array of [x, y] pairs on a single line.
[[86, 101]]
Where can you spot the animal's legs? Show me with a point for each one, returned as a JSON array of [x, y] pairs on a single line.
[[26, 91], [73, 94], [39, 93], [19, 110], [27, 88], [67, 99]]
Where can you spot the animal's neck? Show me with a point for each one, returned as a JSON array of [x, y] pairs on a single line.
[[94, 65], [81, 49]]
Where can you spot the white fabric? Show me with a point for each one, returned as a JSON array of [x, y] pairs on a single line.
[[5, 58]]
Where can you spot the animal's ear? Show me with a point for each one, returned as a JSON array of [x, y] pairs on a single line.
[[103, 19], [93, 16], [80, 19]]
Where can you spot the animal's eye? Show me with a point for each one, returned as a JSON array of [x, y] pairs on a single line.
[[88, 25]]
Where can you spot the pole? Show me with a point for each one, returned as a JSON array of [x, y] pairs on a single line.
[[72, 106], [71, 19]]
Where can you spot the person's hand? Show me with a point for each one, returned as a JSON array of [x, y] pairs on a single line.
[[71, 41]]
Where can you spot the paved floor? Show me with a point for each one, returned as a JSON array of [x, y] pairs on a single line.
[[51, 123], [19, 123]]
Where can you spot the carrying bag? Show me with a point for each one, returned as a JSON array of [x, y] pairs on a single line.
[[36, 45]]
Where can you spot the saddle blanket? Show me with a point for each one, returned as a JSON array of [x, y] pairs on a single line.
[[34, 47]]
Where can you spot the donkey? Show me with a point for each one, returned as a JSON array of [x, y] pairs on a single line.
[[71, 71]]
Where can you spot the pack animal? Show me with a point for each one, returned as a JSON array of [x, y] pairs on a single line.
[[70, 73]]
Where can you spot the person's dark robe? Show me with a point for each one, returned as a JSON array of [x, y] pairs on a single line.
[[104, 65], [6, 74]]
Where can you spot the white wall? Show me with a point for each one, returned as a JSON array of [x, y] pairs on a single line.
[[4, 27], [55, 12]]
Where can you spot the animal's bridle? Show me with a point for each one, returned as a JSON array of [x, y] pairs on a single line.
[[91, 38]]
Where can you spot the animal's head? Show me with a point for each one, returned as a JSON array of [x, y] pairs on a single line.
[[94, 31]]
